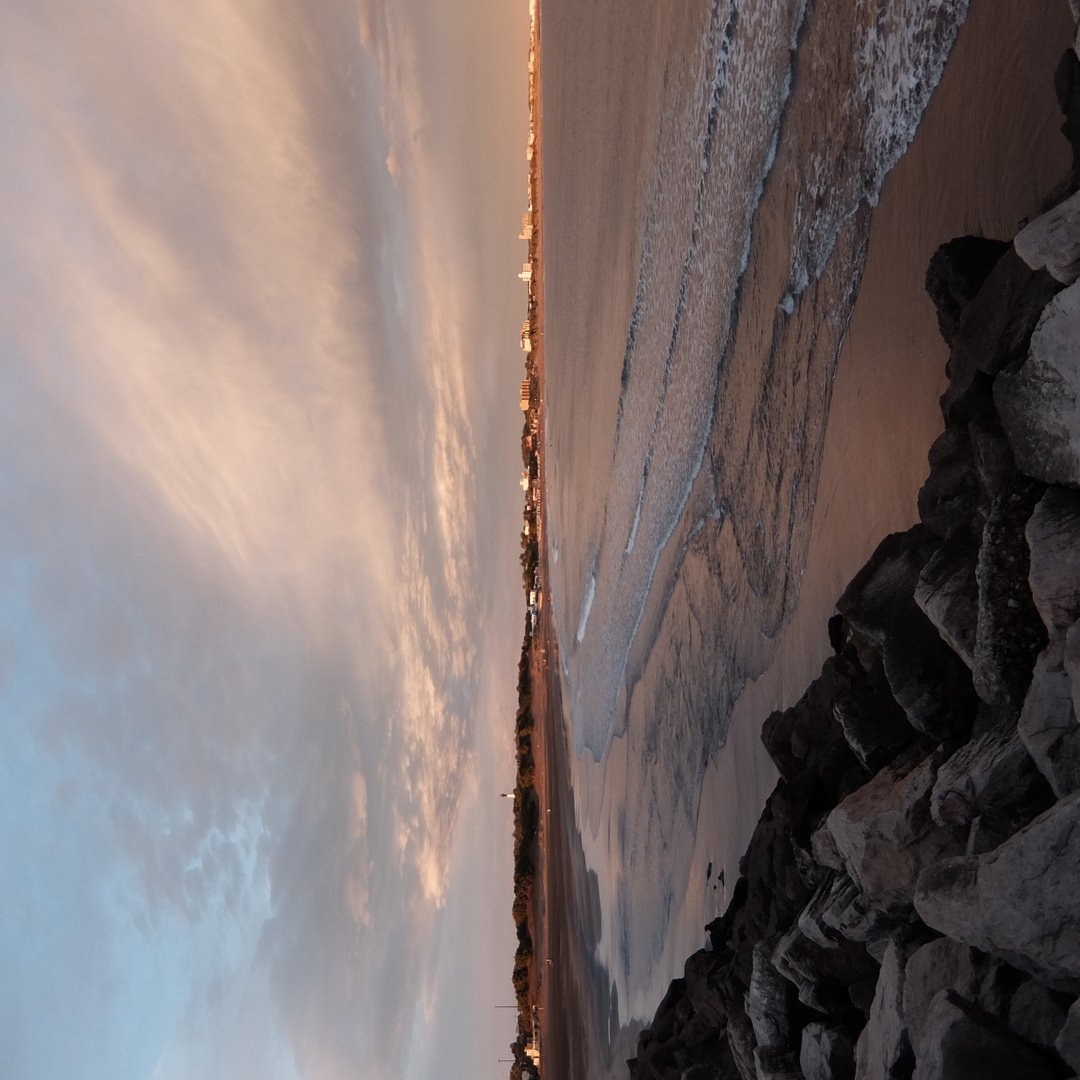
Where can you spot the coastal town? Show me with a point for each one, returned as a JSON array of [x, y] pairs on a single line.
[[529, 906]]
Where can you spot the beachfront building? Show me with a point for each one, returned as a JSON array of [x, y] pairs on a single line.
[[526, 337], [526, 272], [526, 226], [526, 395]]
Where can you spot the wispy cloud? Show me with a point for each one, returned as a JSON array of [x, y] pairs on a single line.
[[242, 593]]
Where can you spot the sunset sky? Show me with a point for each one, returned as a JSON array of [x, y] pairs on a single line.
[[260, 598]]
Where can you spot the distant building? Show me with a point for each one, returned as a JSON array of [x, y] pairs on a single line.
[[526, 336], [526, 395], [526, 272]]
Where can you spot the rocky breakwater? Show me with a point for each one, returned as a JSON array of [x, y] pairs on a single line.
[[909, 905]]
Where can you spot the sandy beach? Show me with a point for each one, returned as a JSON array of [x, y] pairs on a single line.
[[987, 152]]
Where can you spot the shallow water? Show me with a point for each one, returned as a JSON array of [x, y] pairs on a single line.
[[710, 177]]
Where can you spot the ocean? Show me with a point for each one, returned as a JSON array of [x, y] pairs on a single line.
[[712, 173]]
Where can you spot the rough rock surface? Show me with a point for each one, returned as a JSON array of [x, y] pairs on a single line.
[[1053, 538], [944, 964], [884, 834], [959, 1043], [827, 1052], [1039, 402], [1036, 1013], [1052, 241], [1068, 1039], [1048, 723], [1018, 901], [883, 1051]]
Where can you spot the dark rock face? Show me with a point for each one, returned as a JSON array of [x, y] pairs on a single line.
[[929, 681], [955, 275], [1018, 901], [960, 1043]]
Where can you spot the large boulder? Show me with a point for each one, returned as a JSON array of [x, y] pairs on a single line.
[[827, 1052], [766, 1001], [928, 680], [961, 1043], [1048, 722], [956, 272], [944, 964], [989, 773], [1068, 1040], [1037, 1013], [1038, 401], [1053, 538], [883, 834], [883, 1051], [874, 725], [1052, 241], [948, 593], [953, 490], [1018, 901]]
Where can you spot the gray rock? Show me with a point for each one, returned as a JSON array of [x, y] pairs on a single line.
[[874, 725], [884, 835], [944, 964], [849, 912], [952, 491], [956, 272], [1036, 1013], [883, 1051], [1009, 633], [776, 1064], [1068, 1039], [766, 1001], [991, 771], [1019, 901], [948, 593], [827, 1053], [1053, 537], [1038, 402], [740, 1036], [821, 974], [929, 681], [1048, 723], [959, 1043], [1052, 241]]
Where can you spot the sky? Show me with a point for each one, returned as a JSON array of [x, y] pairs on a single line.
[[260, 601]]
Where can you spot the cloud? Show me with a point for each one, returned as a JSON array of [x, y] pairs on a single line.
[[241, 469]]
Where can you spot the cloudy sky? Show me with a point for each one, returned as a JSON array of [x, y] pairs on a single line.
[[259, 594]]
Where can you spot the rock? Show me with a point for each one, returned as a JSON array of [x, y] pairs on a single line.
[[944, 964], [776, 1065], [740, 1035], [959, 1043], [1048, 722], [766, 1001], [994, 461], [1053, 538], [827, 1052], [1009, 632], [884, 834], [1037, 402], [1018, 901], [984, 775], [1067, 85], [1036, 1013], [807, 738], [956, 272], [821, 974], [1068, 1039], [948, 594], [994, 331], [928, 680], [953, 490], [1052, 241], [846, 910], [883, 1051], [874, 725]]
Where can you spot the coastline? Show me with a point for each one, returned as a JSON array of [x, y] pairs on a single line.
[[884, 410]]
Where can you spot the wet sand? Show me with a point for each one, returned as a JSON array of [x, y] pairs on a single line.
[[987, 151]]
